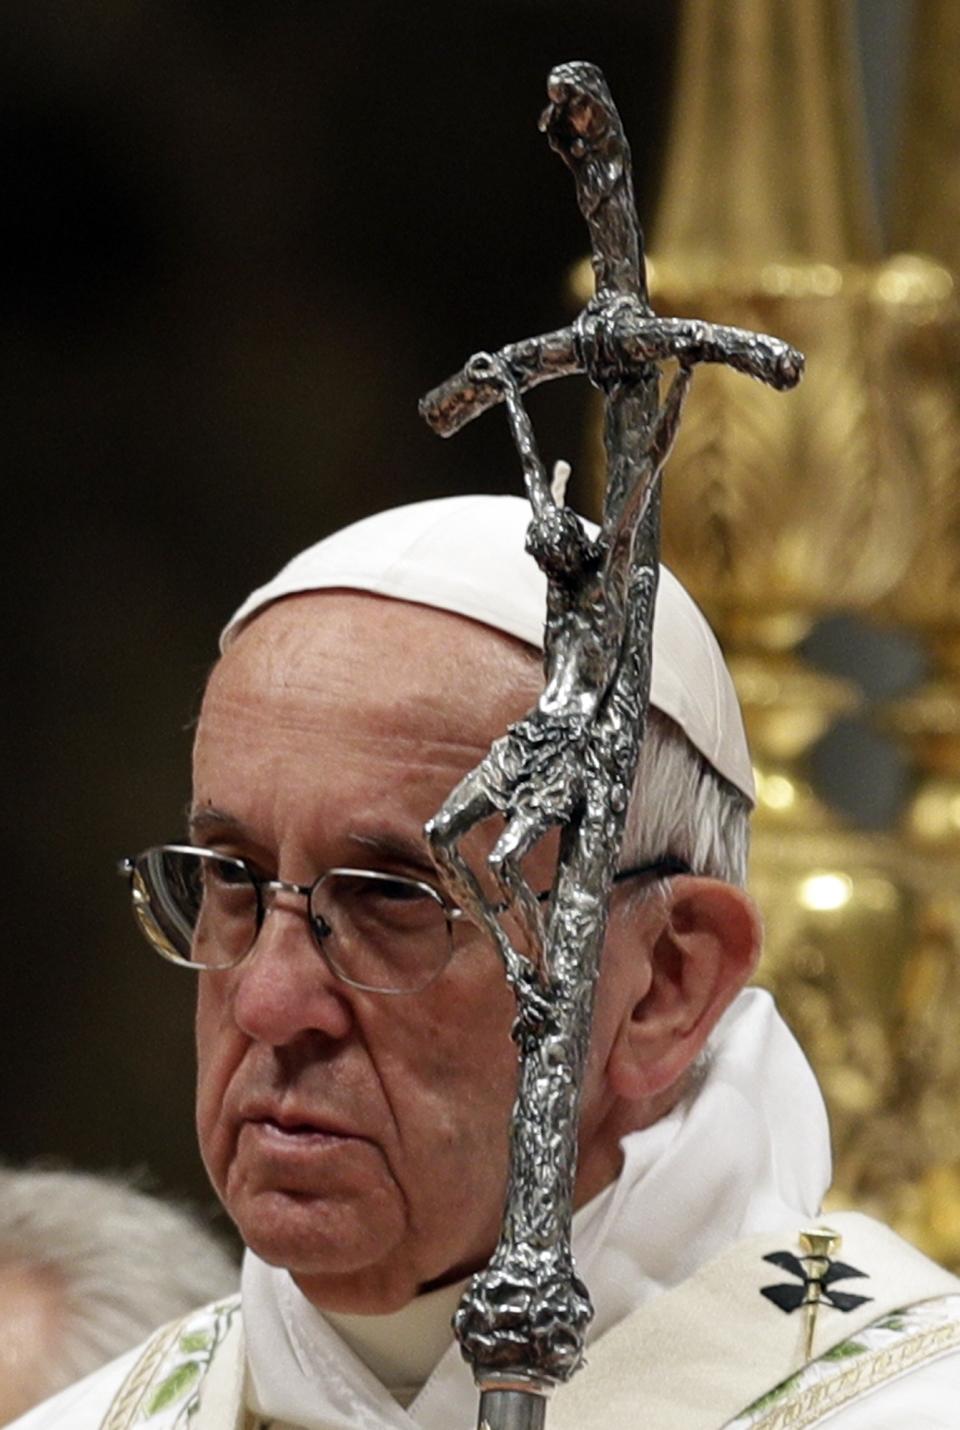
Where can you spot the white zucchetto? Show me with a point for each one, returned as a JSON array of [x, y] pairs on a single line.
[[466, 554]]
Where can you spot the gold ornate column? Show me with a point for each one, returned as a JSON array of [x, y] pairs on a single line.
[[779, 512], [776, 516], [925, 1136], [927, 220]]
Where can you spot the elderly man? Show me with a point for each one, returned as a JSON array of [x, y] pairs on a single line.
[[356, 1073]]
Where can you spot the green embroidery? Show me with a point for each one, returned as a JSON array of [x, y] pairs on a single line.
[[840, 1352], [182, 1376], [195, 1341], [843, 1350], [902, 1329], [772, 1396], [172, 1387]]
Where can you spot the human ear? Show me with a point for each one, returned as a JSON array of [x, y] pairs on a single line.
[[702, 952]]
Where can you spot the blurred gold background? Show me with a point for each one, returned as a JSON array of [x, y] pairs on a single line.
[[244, 238], [845, 496]]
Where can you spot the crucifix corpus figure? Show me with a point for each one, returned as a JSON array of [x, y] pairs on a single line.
[[570, 763]]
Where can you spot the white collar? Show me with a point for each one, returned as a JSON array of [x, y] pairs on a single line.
[[747, 1150]]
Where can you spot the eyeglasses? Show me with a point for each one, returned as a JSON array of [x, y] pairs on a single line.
[[382, 933]]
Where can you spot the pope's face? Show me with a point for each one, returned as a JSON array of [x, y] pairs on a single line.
[[356, 1138]]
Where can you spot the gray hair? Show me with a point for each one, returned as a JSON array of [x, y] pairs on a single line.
[[109, 1262], [682, 807]]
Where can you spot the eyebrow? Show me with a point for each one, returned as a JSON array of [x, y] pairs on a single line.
[[397, 848], [203, 821], [393, 847]]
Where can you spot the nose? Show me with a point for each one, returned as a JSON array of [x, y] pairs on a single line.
[[284, 988]]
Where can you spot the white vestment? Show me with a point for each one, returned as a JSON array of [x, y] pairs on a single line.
[[743, 1159]]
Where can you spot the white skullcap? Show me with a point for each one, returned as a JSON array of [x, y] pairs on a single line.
[[466, 554]]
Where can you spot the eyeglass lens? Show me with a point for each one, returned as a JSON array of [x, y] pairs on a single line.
[[197, 907]]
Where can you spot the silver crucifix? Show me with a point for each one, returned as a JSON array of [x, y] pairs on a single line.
[[570, 763]]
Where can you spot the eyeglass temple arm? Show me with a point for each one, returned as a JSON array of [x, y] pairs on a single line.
[[666, 868]]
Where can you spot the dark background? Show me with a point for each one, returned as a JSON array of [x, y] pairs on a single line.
[[238, 241]]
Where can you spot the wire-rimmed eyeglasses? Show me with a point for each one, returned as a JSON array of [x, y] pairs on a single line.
[[382, 933]]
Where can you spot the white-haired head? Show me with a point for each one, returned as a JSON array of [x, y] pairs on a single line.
[[89, 1266]]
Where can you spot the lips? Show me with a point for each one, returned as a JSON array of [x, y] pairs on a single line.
[[293, 1121], [290, 1153], [296, 1136], [295, 1129]]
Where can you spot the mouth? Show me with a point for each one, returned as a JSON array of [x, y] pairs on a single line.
[[294, 1125], [291, 1150], [303, 1137]]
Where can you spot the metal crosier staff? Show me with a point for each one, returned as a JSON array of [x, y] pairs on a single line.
[[571, 761]]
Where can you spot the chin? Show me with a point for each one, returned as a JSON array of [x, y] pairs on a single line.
[[315, 1237], [339, 1261]]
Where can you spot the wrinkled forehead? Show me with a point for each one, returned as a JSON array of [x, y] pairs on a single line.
[[370, 655], [339, 715]]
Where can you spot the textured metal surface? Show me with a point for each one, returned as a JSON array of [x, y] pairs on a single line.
[[570, 762]]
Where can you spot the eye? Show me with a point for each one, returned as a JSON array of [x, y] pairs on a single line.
[[223, 882], [222, 870], [376, 901], [398, 891]]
